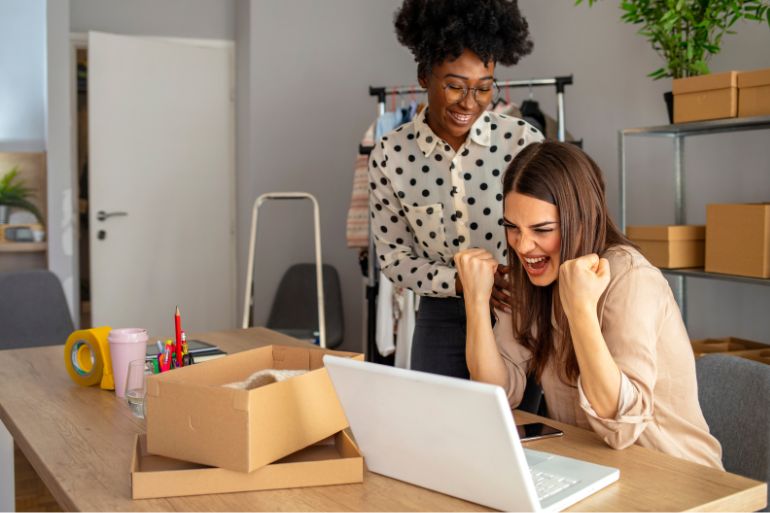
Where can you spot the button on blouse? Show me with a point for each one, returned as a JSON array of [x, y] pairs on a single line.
[[428, 202]]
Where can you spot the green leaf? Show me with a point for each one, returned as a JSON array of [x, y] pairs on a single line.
[[24, 205]]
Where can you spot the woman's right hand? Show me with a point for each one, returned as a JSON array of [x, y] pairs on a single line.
[[476, 268]]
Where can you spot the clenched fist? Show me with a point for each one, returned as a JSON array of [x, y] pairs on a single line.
[[476, 268], [582, 282]]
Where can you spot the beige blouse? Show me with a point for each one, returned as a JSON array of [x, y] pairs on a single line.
[[641, 323]]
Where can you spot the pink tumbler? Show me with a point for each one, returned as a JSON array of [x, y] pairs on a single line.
[[126, 344]]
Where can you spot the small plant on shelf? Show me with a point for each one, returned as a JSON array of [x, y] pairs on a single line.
[[14, 193]]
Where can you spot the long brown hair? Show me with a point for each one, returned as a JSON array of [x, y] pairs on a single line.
[[565, 176]]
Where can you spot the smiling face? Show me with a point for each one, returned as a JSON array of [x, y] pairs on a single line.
[[533, 233], [453, 120]]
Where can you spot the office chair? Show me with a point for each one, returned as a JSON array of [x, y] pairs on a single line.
[[733, 394], [294, 310], [33, 310]]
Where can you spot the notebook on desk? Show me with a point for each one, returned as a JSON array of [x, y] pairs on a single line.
[[455, 436]]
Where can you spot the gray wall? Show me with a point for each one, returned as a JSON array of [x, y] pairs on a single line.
[[205, 19], [22, 81], [311, 64]]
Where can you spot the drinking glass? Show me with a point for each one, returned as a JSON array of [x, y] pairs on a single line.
[[136, 387]]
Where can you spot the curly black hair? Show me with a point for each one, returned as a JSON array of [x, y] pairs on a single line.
[[436, 30]]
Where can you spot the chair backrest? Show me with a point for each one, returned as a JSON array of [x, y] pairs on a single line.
[[33, 310], [734, 394], [295, 307]]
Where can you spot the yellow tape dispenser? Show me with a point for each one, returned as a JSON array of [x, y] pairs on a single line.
[[87, 358]]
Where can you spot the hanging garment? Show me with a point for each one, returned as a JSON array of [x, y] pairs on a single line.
[[357, 226], [551, 125], [405, 331], [395, 322], [530, 112], [385, 335]]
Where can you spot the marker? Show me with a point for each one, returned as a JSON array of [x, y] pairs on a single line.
[[178, 333]]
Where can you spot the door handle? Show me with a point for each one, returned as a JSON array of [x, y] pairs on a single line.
[[103, 216]]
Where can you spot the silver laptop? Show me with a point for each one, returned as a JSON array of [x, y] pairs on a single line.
[[455, 436]]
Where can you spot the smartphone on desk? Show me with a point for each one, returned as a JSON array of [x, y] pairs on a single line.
[[537, 431]]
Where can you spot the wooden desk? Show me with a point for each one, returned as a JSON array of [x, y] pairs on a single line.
[[79, 441]]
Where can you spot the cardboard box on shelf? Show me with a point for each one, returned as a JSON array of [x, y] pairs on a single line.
[[713, 96], [758, 355], [670, 246], [754, 93], [333, 461], [724, 345], [192, 417], [738, 239]]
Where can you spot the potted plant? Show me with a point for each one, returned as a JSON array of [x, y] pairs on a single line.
[[15, 194], [686, 33]]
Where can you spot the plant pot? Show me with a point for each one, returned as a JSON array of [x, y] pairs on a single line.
[[668, 96], [5, 214]]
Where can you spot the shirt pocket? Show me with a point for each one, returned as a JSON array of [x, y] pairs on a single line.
[[427, 223]]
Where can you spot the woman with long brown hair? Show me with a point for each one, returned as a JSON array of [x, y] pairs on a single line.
[[591, 317]]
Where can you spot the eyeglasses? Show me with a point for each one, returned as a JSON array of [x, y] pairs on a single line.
[[456, 92]]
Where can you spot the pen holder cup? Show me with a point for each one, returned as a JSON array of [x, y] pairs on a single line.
[[126, 344]]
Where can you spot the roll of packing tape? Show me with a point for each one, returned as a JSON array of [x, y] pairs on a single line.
[[87, 358]]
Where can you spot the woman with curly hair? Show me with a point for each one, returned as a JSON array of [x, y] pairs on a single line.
[[436, 181], [591, 317]]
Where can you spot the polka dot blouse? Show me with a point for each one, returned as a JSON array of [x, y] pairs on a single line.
[[428, 202]]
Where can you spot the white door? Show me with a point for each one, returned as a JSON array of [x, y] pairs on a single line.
[[161, 150]]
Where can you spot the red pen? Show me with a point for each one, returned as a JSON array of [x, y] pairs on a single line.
[[178, 331]]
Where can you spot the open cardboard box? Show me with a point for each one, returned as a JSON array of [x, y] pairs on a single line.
[[192, 417], [725, 345], [332, 461], [670, 246]]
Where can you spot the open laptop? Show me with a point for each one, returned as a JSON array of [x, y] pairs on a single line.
[[454, 436]]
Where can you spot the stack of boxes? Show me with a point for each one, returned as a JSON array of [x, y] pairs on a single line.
[[203, 437], [737, 242], [722, 95]]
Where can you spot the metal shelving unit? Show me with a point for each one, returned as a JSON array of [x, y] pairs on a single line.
[[677, 133]]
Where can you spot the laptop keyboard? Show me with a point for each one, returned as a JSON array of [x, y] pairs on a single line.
[[547, 484]]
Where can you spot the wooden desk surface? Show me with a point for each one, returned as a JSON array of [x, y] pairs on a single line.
[[79, 441]]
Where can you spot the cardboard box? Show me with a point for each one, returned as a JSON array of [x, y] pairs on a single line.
[[192, 417], [704, 97], [333, 461], [754, 93], [758, 355], [738, 239], [670, 246], [724, 345]]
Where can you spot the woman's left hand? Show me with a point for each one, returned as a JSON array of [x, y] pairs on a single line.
[[582, 282]]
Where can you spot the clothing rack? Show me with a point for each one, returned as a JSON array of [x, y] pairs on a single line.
[[382, 93]]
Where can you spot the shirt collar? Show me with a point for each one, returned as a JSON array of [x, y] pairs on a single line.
[[480, 133]]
